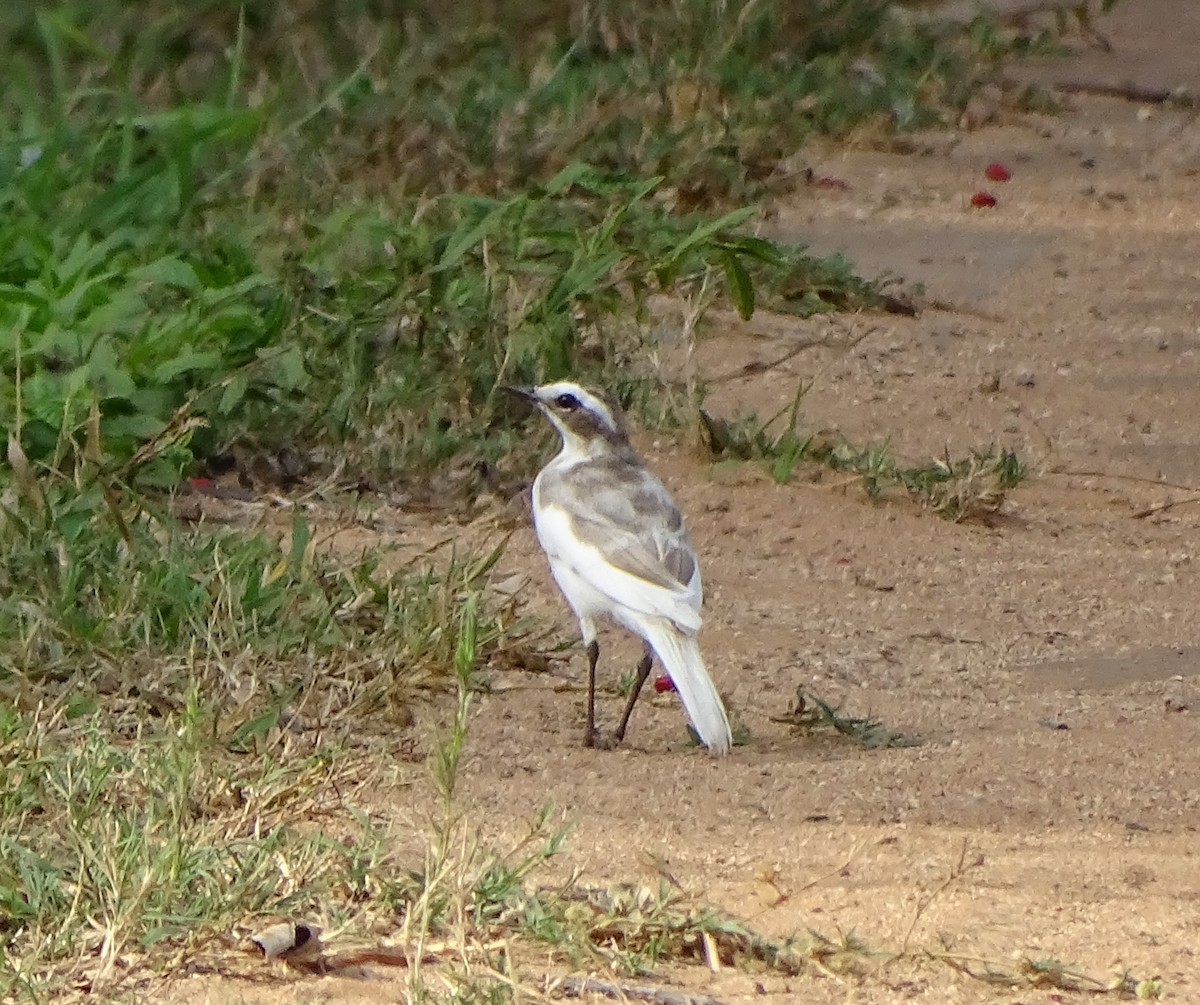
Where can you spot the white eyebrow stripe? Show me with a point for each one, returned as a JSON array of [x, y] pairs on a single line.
[[598, 407], [589, 401]]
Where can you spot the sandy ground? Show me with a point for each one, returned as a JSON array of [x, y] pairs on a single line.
[[1070, 331]]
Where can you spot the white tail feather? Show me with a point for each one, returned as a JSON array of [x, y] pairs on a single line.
[[680, 657]]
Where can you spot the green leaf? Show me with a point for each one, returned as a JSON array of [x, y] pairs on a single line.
[[188, 361], [13, 295], [170, 272], [80, 704], [124, 313], [737, 279], [235, 391], [106, 373], [235, 293], [580, 279], [791, 450], [468, 236], [301, 535], [574, 173], [464, 650], [754, 247], [140, 427], [669, 265], [254, 729], [287, 369]]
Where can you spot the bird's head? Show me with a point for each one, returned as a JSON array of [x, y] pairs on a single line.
[[587, 420]]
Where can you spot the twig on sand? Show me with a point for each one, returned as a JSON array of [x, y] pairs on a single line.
[[924, 903], [1162, 507], [1130, 90]]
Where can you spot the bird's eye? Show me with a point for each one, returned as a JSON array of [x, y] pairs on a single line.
[[567, 402]]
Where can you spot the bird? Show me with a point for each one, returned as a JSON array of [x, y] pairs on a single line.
[[618, 549]]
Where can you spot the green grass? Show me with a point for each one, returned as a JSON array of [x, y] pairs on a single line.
[[91, 572], [715, 95], [809, 712], [970, 487], [128, 844], [335, 233], [184, 716], [380, 335]]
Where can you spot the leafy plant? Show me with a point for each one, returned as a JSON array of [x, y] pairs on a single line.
[[160, 250], [808, 711], [422, 317], [957, 489], [111, 300]]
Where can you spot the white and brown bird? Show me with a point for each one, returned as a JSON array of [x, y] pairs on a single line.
[[618, 548]]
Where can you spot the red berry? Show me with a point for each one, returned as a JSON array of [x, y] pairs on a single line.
[[997, 172], [982, 200], [663, 683]]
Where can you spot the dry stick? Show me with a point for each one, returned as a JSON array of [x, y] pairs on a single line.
[[827, 341], [927, 901], [1143, 479], [782, 897], [991, 973], [937, 635], [961, 962], [994, 973], [577, 987], [755, 369], [1083, 18], [949, 307], [1127, 89], [841, 485], [1007, 14], [518, 989], [1162, 507], [854, 853], [1047, 440]]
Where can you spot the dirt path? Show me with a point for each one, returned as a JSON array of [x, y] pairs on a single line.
[[1079, 293], [1075, 339]]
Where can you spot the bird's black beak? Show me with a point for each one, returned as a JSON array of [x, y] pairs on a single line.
[[525, 393]]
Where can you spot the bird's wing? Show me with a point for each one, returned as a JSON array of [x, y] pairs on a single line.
[[622, 534]]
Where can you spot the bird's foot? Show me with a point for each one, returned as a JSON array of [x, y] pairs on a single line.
[[601, 741]]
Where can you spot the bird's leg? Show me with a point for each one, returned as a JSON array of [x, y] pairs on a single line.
[[643, 671], [592, 738]]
